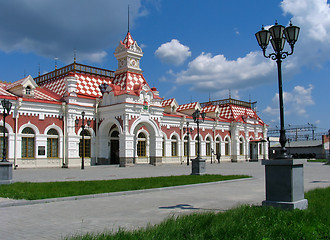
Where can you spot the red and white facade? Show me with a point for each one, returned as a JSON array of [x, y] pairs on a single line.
[[130, 122]]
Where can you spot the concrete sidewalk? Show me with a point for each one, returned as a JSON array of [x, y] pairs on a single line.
[[58, 219]]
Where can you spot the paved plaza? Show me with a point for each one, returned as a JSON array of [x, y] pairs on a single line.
[[58, 218]]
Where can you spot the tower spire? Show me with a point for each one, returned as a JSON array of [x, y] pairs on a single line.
[[128, 19]]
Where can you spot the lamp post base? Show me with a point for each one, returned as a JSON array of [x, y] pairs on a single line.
[[198, 166], [6, 173], [301, 204], [285, 184]]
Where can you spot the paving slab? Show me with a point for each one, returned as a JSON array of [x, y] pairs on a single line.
[[55, 220]]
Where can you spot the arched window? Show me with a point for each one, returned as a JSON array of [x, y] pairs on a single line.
[[217, 145], [52, 143], [227, 148], [174, 146], [86, 147], [241, 146], [28, 90], [115, 134], [28, 143], [1, 142], [208, 146], [185, 145], [141, 146], [260, 148]]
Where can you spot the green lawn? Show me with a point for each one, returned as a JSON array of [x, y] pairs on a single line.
[[251, 223], [33, 191], [318, 160]]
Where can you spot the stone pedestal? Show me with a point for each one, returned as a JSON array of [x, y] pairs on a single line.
[[285, 183], [6, 172], [198, 166]]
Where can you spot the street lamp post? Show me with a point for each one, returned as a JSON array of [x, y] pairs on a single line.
[[189, 131], [279, 34], [83, 136], [284, 175], [6, 167], [198, 164], [196, 116], [6, 104]]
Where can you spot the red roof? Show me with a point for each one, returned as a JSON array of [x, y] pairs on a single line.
[[210, 108], [57, 86], [238, 113], [91, 85], [3, 91], [187, 106], [167, 102], [39, 92]]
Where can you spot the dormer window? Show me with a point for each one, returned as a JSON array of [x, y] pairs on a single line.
[[28, 90], [173, 108]]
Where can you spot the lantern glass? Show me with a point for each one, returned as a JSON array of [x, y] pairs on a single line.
[[3, 103], [203, 115], [88, 122], [263, 38], [276, 31], [195, 114], [291, 33], [77, 121], [6, 104], [278, 45], [9, 106]]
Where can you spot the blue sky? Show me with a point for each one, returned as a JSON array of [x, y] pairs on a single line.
[[193, 49]]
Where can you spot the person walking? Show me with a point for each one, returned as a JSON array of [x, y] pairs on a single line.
[[218, 156]]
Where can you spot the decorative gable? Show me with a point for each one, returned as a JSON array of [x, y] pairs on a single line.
[[211, 111], [24, 87], [189, 108], [170, 105]]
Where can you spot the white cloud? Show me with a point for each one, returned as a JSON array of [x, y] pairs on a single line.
[[215, 73], [173, 52], [295, 102], [55, 28], [313, 18], [218, 73], [94, 57]]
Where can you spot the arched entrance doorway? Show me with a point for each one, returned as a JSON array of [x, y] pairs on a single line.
[[253, 150], [114, 146]]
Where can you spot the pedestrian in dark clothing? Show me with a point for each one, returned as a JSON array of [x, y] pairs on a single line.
[[218, 156]]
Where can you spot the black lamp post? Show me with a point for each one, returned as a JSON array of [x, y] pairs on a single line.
[[279, 34], [189, 131], [83, 136], [198, 164], [6, 104], [196, 116]]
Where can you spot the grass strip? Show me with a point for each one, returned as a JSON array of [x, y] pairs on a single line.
[[43, 190], [244, 222], [317, 160]]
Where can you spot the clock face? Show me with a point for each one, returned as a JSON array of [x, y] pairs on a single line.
[[133, 63], [122, 63]]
